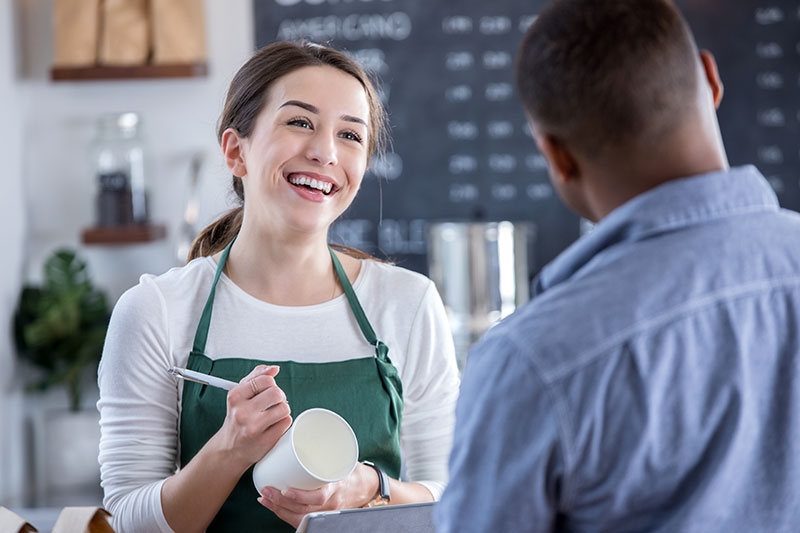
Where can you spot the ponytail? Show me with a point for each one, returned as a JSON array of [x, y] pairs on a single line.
[[217, 235]]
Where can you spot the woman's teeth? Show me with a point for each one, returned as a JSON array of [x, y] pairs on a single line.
[[323, 186]]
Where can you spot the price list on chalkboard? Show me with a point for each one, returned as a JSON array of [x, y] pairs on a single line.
[[775, 146], [461, 147]]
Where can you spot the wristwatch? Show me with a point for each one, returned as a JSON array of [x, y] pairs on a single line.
[[384, 495]]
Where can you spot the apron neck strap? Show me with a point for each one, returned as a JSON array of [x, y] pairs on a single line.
[[361, 317], [201, 336]]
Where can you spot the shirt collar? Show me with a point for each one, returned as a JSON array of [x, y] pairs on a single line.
[[672, 205]]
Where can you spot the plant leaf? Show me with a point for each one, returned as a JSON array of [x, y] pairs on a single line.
[[61, 326]]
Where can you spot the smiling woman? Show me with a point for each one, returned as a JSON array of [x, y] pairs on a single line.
[[296, 323], [246, 101], [313, 128]]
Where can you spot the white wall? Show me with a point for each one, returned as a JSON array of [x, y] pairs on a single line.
[[12, 232], [48, 191]]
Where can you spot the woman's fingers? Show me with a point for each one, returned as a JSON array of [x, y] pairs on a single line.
[[258, 414], [276, 419], [273, 432], [274, 497], [287, 516], [260, 379], [289, 508], [298, 500], [270, 370], [269, 397]]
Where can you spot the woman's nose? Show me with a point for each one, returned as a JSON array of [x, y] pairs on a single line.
[[322, 149]]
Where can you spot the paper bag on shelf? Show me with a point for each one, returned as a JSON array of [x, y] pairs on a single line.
[[75, 32], [14, 523], [83, 520], [126, 33], [179, 34]]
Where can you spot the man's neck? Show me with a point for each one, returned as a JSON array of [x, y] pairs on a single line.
[[629, 173]]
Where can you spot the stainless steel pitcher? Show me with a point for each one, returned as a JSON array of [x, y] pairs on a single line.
[[481, 272]]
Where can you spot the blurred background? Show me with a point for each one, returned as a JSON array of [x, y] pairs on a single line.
[[111, 165], [59, 140]]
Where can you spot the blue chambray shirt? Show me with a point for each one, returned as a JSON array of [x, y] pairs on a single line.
[[652, 384]]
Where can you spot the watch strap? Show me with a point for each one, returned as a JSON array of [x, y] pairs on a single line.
[[384, 494]]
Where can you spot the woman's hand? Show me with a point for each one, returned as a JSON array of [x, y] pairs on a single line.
[[356, 490], [256, 418]]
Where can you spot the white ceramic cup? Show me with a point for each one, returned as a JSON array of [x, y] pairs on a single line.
[[318, 448]]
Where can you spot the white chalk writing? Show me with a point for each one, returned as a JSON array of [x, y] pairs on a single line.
[[771, 117], [539, 191], [457, 25], [458, 93], [769, 15], [502, 162], [463, 192], [495, 25], [462, 130], [504, 191], [462, 163], [459, 61], [499, 129], [771, 155], [393, 26], [499, 91]]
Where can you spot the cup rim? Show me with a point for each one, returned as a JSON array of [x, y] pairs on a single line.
[[351, 432]]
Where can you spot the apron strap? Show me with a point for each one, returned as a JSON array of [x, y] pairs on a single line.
[[201, 336], [355, 305], [390, 380]]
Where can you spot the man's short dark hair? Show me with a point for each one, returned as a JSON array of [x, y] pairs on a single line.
[[594, 73]]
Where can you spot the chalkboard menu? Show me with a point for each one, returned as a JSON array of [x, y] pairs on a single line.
[[461, 147]]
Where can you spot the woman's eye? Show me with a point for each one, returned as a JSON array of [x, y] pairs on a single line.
[[351, 136], [301, 122]]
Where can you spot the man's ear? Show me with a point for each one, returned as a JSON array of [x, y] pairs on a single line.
[[712, 75], [563, 165], [233, 152]]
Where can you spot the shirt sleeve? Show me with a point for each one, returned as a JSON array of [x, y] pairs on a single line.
[[430, 391], [138, 411], [507, 461]]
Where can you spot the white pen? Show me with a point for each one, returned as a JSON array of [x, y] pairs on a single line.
[[199, 377]]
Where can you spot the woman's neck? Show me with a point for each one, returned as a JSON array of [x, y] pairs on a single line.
[[287, 270]]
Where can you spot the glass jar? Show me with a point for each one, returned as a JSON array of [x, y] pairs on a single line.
[[118, 159]]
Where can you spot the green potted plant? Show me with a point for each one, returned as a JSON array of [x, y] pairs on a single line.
[[60, 326]]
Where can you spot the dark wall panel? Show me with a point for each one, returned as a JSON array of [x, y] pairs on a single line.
[[461, 147]]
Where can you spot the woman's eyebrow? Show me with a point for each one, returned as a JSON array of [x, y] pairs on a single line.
[[314, 109], [298, 103]]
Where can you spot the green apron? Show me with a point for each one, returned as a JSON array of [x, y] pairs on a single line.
[[366, 392]]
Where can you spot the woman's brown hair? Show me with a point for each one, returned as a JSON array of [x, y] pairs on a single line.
[[246, 98]]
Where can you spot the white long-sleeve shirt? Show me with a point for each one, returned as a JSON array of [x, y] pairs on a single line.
[[153, 326]]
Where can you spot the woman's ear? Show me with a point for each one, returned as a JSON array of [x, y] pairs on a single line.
[[233, 152]]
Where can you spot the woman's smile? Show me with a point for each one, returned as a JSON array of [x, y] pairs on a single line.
[[312, 186]]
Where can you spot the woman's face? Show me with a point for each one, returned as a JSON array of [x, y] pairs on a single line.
[[306, 157]]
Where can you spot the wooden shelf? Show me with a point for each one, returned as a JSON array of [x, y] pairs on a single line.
[[123, 234], [188, 70]]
